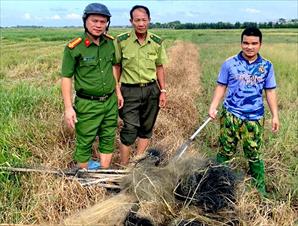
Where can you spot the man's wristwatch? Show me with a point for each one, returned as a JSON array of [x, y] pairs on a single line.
[[163, 90]]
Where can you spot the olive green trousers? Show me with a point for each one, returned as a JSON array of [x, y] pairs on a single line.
[[95, 118]]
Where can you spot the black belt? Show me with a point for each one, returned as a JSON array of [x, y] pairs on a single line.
[[99, 98], [138, 84]]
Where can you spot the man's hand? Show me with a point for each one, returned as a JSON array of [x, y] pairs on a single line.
[[212, 112], [272, 103], [219, 93], [162, 100], [120, 99], [70, 117], [275, 124]]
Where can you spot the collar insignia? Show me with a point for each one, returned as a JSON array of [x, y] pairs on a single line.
[[87, 42]]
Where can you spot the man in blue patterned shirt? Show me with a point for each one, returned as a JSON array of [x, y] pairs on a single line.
[[244, 77]]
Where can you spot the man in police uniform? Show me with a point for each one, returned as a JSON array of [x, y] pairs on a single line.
[[140, 56], [244, 77], [90, 60]]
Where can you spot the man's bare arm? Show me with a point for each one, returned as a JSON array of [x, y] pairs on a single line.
[[117, 74], [219, 93], [69, 113], [162, 85], [272, 103]]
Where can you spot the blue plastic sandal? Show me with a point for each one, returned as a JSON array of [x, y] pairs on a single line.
[[93, 165]]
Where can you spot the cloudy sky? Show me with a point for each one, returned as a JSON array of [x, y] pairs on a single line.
[[69, 12]]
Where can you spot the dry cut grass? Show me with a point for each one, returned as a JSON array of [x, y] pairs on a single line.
[[176, 122]]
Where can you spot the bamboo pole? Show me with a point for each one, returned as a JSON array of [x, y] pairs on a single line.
[[99, 182], [101, 175], [105, 171], [61, 172], [29, 170]]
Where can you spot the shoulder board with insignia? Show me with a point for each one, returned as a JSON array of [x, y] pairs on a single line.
[[109, 36], [74, 43], [123, 37], [156, 39]]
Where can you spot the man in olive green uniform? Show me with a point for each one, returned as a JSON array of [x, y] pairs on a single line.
[[89, 59], [140, 55]]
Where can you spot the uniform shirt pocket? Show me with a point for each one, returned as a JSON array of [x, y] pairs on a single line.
[[106, 61], [108, 58], [151, 60], [128, 60], [88, 63], [87, 67]]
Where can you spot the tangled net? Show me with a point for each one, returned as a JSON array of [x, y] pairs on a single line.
[[198, 182], [212, 188]]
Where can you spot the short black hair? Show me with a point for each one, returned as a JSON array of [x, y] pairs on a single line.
[[139, 7], [252, 31]]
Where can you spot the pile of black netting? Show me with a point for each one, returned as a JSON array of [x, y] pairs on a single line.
[[210, 189], [132, 219], [192, 222], [167, 192], [189, 223]]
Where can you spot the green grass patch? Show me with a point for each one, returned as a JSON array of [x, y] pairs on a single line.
[[23, 106]]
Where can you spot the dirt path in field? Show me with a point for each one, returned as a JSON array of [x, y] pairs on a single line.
[[176, 121]]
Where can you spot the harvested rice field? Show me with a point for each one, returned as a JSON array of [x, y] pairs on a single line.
[[156, 190]]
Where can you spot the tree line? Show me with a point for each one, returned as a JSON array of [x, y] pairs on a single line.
[[281, 23]]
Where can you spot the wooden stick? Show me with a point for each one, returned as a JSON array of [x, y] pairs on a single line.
[[99, 181], [102, 185], [101, 175], [102, 180], [83, 181], [90, 181], [104, 171], [59, 172], [113, 179], [3, 168]]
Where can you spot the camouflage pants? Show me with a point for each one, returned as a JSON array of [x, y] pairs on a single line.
[[234, 129]]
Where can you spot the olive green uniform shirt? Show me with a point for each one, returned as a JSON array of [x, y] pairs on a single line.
[[91, 66], [139, 61]]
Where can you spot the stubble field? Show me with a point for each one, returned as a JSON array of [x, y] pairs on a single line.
[[32, 132]]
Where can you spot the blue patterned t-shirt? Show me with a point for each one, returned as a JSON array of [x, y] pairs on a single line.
[[245, 83]]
